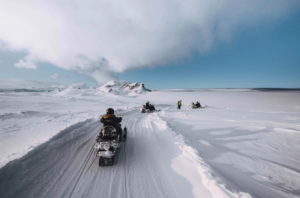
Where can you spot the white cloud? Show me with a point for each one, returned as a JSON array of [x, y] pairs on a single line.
[[25, 64], [97, 37], [54, 76]]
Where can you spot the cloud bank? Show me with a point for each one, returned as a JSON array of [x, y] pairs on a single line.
[[99, 37]]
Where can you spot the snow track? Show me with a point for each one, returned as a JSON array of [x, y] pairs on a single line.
[[66, 165]]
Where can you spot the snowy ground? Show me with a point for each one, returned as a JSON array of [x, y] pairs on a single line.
[[244, 144]]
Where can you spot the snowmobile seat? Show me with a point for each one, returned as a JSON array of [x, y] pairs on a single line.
[[107, 133]]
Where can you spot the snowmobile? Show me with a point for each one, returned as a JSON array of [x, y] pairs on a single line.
[[107, 143], [196, 106], [150, 110]]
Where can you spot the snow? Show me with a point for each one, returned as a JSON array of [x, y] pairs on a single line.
[[245, 143]]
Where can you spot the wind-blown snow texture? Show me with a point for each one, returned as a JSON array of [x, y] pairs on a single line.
[[244, 144]]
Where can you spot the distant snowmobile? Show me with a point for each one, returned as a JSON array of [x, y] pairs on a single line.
[[197, 105], [107, 144], [151, 109]]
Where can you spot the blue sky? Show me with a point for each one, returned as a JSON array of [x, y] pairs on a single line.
[[257, 55], [42, 73], [267, 56]]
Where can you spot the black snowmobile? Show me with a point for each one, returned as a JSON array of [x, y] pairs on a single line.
[[107, 143], [197, 105], [151, 109]]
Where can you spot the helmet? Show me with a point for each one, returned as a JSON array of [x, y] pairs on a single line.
[[110, 111]]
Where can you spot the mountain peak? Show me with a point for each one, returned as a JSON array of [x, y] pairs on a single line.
[[120, 87]]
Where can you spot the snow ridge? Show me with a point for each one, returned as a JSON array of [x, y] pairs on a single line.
[[214, 184]]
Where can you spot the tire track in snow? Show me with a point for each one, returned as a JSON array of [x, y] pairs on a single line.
[[89, 156]]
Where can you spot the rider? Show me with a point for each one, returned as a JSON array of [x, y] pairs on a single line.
[[179, 104], [147, 105], [111, 120], [150, 106]]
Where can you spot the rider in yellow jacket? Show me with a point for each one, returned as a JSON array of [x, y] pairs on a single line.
[[179, 104]]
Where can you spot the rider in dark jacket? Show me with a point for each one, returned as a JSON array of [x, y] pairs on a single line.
[[147, 105], [111, 120]]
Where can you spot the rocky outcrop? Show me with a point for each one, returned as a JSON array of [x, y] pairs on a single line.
[[120, 87]]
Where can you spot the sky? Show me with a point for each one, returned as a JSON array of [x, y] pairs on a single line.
[[264, 57], [165, 45]]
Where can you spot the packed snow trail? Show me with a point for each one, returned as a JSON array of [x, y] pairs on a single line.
[[66, 166]]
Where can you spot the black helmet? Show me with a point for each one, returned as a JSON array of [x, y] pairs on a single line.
[[110, 111]]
